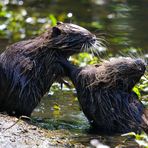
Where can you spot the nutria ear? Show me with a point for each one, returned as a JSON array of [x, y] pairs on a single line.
[[55, 31]]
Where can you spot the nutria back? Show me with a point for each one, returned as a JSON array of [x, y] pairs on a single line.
[[28, 68], [105, 94]]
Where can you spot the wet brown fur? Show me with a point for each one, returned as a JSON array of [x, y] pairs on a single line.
[[105, 94], [28, 68]]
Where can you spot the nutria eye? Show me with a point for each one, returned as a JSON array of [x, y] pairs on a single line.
[[55, 31]]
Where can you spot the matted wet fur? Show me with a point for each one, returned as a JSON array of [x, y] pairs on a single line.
[[105, 94], [28, 68]]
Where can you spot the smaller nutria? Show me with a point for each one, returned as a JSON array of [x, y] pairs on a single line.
[[105, 93], [28, 68]]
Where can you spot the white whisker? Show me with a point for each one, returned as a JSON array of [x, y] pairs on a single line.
[[101, 39], [100, 43], [85, 48], [95, 50], [82, 47]]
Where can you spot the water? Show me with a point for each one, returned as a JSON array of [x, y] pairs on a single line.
[[122, 23], [61, 111]]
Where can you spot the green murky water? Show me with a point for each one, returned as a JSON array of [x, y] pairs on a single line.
[[61, 111], [123, 23]]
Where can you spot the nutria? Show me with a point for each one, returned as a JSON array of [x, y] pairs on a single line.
[[28, 68], [105, 93]]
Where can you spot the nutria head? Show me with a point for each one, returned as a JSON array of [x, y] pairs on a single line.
[[122, 73], [69, 38], [125, 72]]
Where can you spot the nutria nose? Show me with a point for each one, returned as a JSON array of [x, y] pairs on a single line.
[[93, 39], [141, 65]]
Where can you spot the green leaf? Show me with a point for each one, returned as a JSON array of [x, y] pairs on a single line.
[[53, 19]]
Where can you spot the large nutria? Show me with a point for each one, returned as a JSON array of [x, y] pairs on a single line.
[[28, 68], [105, 93]]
